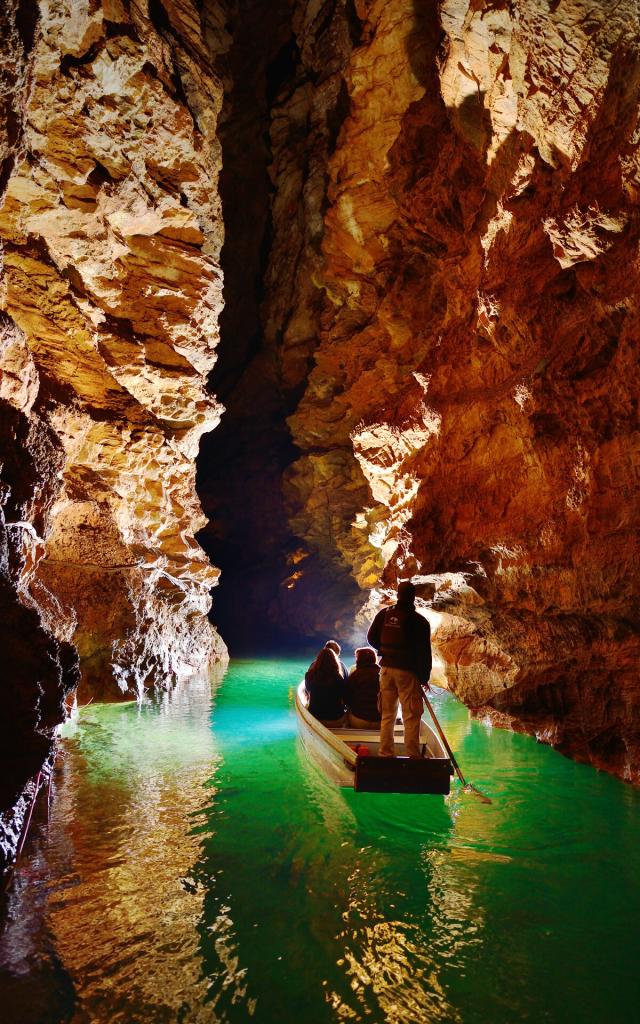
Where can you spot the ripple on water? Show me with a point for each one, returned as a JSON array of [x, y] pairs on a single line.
[[197, 868]]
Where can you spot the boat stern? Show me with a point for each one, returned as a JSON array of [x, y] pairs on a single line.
[[403, 775]]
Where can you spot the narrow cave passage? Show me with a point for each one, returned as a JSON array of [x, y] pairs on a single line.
[[429, 364], [429, 354], [242, 464]]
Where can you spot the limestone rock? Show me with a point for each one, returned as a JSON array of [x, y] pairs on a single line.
[[470, 301], [111, 290], [112, 234]]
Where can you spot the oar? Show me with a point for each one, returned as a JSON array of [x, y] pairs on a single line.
[[469, 788]]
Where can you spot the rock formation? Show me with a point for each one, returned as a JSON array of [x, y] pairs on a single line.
[[429, 351], [111, 288], [451, 303], [476, 361]]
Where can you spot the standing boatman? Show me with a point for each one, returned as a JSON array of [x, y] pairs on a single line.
[[403, 638]]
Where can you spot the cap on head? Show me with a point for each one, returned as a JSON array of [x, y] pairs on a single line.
[[406, 592], [334, 646]]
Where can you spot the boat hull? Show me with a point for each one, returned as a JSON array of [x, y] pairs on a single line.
[[334, 752]]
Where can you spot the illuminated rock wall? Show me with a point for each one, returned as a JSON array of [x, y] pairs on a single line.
[[112, 231], [463, 272], [111, 289], [430, 357]]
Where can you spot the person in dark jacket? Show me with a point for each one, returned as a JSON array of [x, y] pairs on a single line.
[[334, 646], [361, 691], [403, 638], [324, 684]]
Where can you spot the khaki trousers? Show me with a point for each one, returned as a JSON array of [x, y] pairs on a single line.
[[397, 684]]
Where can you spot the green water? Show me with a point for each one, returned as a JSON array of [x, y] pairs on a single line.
[[197, 869]]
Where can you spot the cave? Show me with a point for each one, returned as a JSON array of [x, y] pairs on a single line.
[[285, 102], [303, 299]]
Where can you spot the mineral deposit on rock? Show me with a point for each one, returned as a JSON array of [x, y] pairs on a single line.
[[111, 290], [451, 299]]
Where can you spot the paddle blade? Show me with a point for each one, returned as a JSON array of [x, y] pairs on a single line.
[[476, 792]]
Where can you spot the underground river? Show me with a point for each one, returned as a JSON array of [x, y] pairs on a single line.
[[196, 869]]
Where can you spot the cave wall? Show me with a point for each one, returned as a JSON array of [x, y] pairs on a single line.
[[111, 289], [451, 303], [429, 355], [112, 231]]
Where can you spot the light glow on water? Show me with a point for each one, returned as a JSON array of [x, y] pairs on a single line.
[[196, 868]]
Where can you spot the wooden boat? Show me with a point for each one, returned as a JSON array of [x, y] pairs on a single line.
[[349, 757]]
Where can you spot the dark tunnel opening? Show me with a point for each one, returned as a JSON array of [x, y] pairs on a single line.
[[241, 463], [244, 462]]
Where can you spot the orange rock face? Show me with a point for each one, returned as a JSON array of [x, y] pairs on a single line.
[[470, 301], [430, 359], [111, 229]]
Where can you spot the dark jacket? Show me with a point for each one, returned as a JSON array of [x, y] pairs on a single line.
[[361, 691], [326, 693], [403, 638]]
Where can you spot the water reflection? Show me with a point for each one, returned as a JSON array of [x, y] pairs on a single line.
[[198, 869], [106, 890], [386, 970]]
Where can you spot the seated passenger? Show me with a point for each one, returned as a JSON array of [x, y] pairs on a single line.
[[362, 690], [324, 684], [334, 646]]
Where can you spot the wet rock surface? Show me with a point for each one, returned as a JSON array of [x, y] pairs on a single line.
[[429, 353], [111, 289], [39, 669], [451, 302]]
